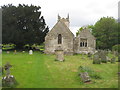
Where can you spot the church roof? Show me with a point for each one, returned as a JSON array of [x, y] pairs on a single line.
[[85, 33], [61, 24]]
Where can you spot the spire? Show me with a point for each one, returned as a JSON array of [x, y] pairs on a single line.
[[67, 17], [59, 17]]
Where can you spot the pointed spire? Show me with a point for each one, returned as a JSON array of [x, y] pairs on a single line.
[[59, 17], [67, 17]]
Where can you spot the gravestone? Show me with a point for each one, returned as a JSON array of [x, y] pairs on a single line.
[[103, 56], [59, 54], [115, 53], [113, 60], [8, 52], [23, 51], [8, 80], [15, 52], [30, 52], [7, 67], [89, 54], [85, 77], [108, 59], [96, 59]]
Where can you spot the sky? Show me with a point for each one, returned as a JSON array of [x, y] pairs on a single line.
[[81, 12]]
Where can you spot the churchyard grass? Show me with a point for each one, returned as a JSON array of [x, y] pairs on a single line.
[[42, 71]]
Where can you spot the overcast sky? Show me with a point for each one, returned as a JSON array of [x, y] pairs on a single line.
[[81, 12]]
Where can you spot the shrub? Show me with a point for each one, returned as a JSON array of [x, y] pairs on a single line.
[[116, 48]]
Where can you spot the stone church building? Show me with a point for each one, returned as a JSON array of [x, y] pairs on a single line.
[[61, 36]]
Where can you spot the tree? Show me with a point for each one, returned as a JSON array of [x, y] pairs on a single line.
[[89, 27], [106, 32], [23, 24]]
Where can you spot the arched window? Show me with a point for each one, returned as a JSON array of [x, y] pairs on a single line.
[[80, 44], [85, 44], [59, 39]]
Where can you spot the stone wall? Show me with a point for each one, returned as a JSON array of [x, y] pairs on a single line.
[[51, 40]]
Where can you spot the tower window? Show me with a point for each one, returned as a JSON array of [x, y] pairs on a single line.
[[59, 39]]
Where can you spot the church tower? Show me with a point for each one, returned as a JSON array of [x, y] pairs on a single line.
[[65, 20]]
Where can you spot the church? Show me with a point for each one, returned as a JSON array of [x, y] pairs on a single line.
[[61, 36]]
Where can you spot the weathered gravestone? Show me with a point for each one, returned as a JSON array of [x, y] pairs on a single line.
[[115, 53], [85, 77], [8, 52], [113, 60], [89, 54], [15, 52], [108, 59], [102, 55], [59, 54], [96, 59], [8, 80], [30, 52]]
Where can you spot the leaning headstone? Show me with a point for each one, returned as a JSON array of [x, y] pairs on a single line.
[[113, 60], [96, 59], [85, 77], [59, 54], [30, 52]]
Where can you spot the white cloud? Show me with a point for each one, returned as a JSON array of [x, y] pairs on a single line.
[[82, 12]]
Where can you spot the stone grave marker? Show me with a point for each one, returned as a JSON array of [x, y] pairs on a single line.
[[96, 59], [59, 54], [108, 59], [7, 67], [103, 56], [113, 60], [30, 52], [8, 52], [15, 52], [85, 77], [8, 80], [89, 54]]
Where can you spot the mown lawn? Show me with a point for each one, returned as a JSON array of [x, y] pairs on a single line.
[[41, 71]]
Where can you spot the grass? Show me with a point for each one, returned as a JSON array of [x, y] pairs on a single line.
[[42, 71]]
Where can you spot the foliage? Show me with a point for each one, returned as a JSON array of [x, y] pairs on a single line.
[[22, 25], [89, 27], [90, 71], [106, 32], [116, 48]]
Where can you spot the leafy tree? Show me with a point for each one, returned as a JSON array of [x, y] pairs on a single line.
[[89, 27], [106, 32], [23, 24]]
